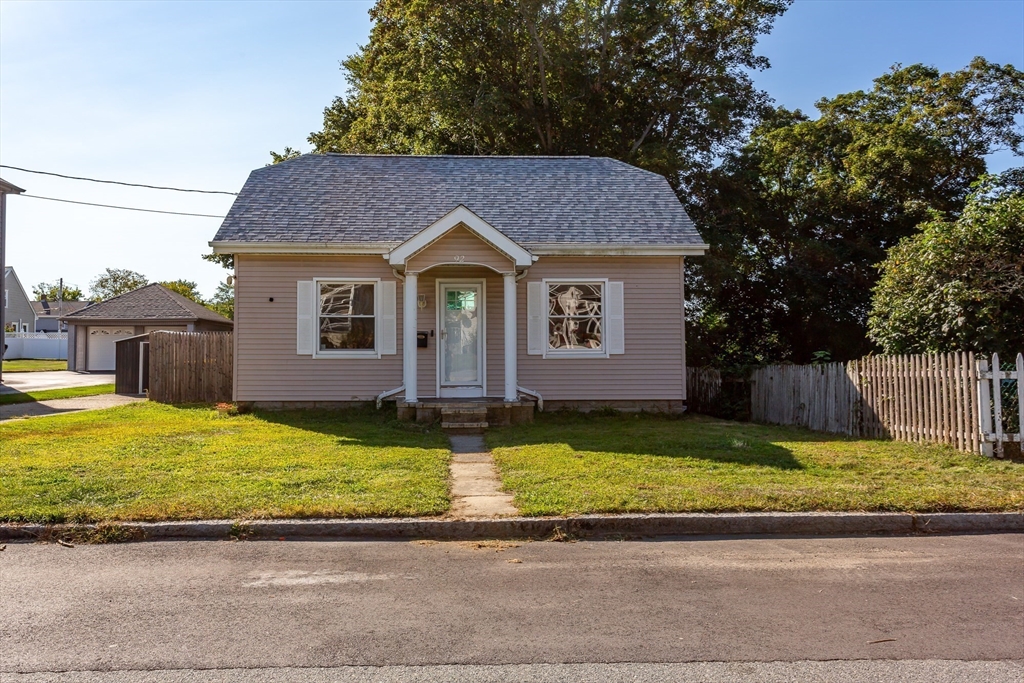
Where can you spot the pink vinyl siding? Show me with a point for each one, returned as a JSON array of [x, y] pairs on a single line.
[[459, 243], [269, 369], [267, 366], [651, 368], [426, 360]]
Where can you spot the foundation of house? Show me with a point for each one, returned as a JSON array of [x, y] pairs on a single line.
[[467, 415]]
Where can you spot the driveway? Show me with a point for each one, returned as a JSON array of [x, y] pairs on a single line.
[[24, 382]]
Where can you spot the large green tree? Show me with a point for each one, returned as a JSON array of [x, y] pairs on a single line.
[[799, 218], [186, 288], [664, 84], [115, 281], [958, 284], [51, 291]]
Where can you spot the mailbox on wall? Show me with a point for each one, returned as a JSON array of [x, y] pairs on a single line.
[[421, 339]]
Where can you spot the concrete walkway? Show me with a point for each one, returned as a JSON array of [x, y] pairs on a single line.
[[25, 382], [476, 489], [65, 405]]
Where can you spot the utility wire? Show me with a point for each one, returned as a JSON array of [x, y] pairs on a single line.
[[116, 182], [125, 208]]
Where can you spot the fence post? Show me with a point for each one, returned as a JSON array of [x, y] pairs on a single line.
[[997, 404], [984, 409], [1020, 399]]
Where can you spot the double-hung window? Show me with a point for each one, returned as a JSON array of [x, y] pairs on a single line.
[[575, 317], [346, 318]]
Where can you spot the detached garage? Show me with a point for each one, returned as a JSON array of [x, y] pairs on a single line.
[[94, 331]]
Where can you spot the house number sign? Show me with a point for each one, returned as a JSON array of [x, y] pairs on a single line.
[[458, 259]]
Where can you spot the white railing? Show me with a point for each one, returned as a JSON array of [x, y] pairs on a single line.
[[36, 335], [990, 404]]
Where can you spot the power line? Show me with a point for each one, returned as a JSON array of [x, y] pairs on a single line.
[[117, 182], [125, 208]]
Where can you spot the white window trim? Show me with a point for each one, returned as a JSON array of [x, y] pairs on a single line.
[[346, 353], [575, 353]]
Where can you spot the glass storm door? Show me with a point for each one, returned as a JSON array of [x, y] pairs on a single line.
[[461, 347]]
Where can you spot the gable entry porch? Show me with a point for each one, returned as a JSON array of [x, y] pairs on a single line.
[[459, 322]]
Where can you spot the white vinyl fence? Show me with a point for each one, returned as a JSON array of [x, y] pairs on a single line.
[[44, 345], [951, 398]]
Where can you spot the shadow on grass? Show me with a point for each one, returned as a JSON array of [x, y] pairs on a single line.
[[365, 426], [658, 436]]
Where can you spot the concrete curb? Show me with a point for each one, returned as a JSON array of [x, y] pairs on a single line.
[[584, 526]]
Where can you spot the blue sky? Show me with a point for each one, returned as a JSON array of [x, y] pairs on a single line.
[[196, 94]]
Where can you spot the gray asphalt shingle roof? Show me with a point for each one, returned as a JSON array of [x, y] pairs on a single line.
[[152, 302], [344, 198]]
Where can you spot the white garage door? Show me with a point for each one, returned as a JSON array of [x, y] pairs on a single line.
[[102, 352]]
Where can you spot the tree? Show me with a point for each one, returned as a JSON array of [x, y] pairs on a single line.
[[115, 281], [51, 292], [799, 217], [958, 285], [223, 300], [186, 288], [663, 84]]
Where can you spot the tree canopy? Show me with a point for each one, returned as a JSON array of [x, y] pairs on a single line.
[[958, 284], [115, 281], [800, 216], [663, 84], [51, 291], [186, 288]]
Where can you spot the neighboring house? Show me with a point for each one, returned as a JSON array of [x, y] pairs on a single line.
[[48, 314], [93, 330], [459, 277], [18, 312]]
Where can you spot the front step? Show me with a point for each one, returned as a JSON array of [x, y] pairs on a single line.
[[464, 420]]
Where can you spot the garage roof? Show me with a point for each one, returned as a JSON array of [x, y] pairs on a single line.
[[152, 302]]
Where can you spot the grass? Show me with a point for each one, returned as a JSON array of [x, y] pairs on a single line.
[[147, 461], [33, 365], [49, 394], [575, 464]]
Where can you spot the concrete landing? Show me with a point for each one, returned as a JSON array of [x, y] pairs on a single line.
[[476, 488]]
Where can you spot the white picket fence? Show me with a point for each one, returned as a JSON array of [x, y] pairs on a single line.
[[43, 345], [940, 398]]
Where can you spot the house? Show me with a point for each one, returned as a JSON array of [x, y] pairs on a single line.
[[437, 279], [93, 330], [18, 313], [48, 314]]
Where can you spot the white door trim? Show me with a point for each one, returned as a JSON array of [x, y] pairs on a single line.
[[467, 391]]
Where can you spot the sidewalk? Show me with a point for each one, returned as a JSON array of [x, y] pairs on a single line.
[[64, 405]]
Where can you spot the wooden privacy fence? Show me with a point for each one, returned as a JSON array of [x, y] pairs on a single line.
[[190, 367], [703, 387], [942, 398]]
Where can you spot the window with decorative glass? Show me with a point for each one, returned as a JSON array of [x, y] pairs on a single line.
[[575, 317], [347, 316]]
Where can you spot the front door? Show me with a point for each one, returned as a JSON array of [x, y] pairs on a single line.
[[461, 347]]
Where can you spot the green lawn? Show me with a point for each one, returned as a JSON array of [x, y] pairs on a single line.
[[49, 394], [33, 365], [147, 461], [574, 464]]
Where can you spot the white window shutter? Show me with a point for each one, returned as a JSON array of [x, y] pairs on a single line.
[[387, 306], [304, 319], [616, 328], [536, 318]]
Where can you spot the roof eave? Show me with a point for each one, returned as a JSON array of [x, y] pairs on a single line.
[[376, 248], [554, 249]]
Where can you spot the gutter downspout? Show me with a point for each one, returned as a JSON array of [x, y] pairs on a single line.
[[390, 392]]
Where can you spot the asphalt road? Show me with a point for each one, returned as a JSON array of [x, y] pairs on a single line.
[[51, 379], [919, 608]]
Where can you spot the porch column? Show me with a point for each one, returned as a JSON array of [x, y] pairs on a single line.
[[511, 338], [409, 325]]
